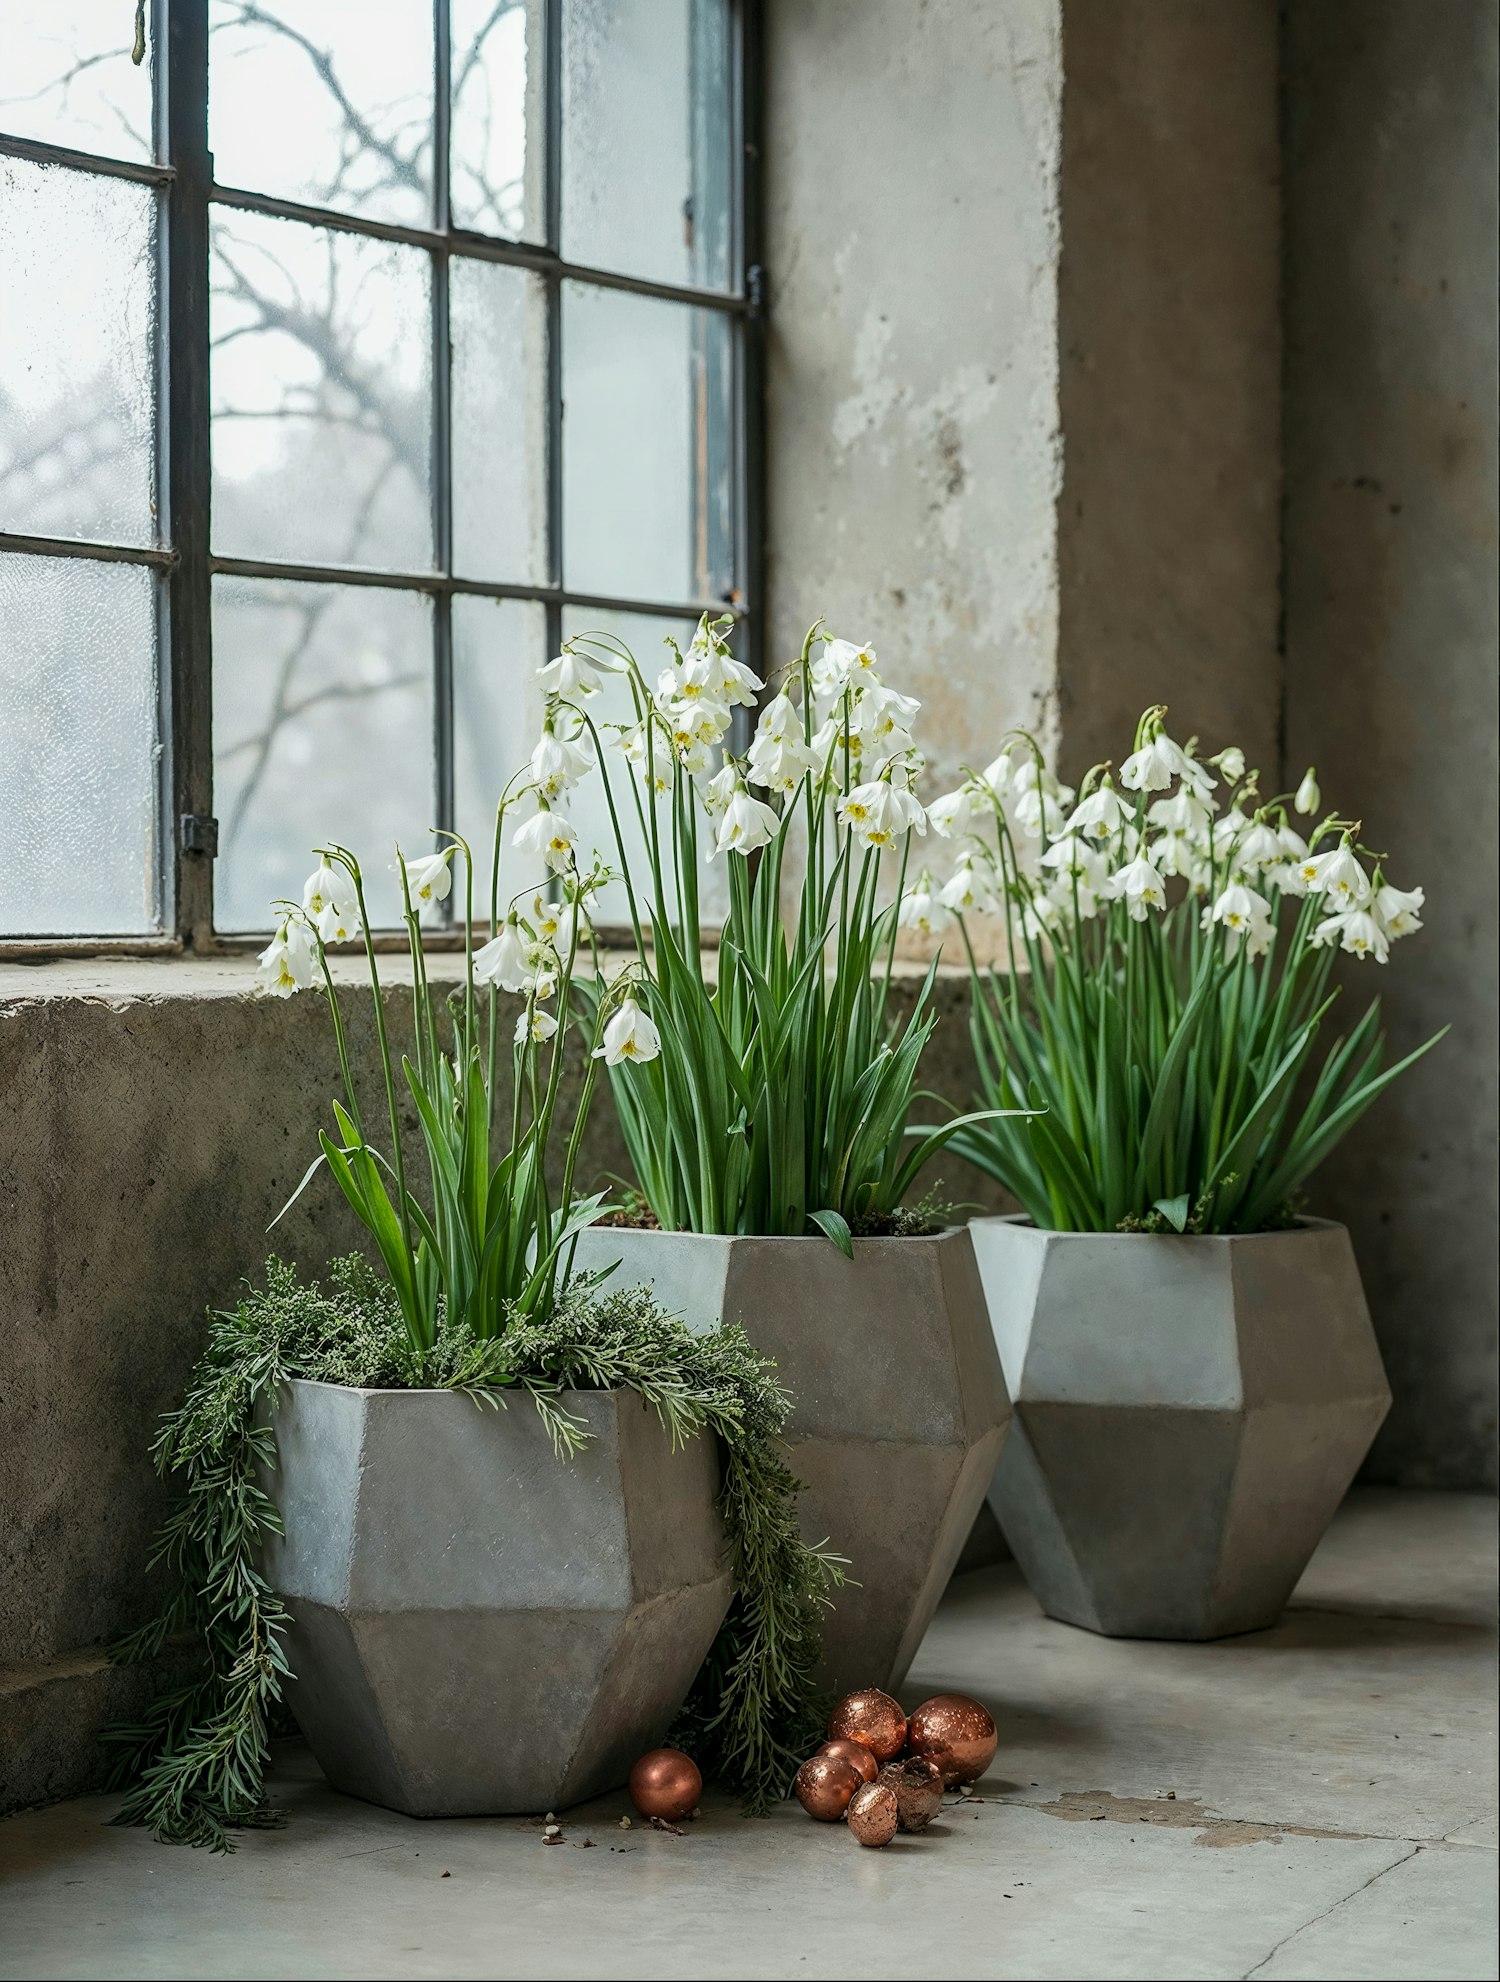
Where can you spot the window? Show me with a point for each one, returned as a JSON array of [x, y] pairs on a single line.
[[353, 353]]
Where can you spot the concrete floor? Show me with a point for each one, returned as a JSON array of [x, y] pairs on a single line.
[[1313, 1801]]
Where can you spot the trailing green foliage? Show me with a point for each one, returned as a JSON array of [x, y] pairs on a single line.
[[195, 1765]]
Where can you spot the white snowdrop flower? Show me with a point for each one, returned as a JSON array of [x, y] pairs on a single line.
[[1153, 767], [1356, 932], [968, 891], [1186, 811], [872, 813], [845, 661], [1308, 798], [923, 908], [1339, 876], [1071, 855], [328, 887], [502, 960], [1174, 853], [997, 773], [557, 763], [717, 791], [550, 835], [1395, 909], [780, 766], [554, 922], [570, 674], [631, 739], [1260, 846], [430, 879], [338, 924], [1101, 814], [1231, 762], [1040, 916], [882, 714], [289, 961], [629, 1036], [534, 1025], [1285, 876], [1240, 908], [1139, 886], [955, 814], [746, 824], [1038, 813], [1293, 846], [913, 814], [780, 720]]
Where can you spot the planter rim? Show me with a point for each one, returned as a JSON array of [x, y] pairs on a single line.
[[428, 1390], [777, 1238], [1303, 1227]]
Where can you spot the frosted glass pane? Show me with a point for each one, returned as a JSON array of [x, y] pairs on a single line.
[[647, 391], [66, 76], [589, 809], [496, 144], [498, 644], [323, 730], [647, 132], [327, 101], [498, 328], [77, 388], [78, 748], [321, 395]]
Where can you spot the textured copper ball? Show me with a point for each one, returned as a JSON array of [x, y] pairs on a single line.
[[874, 1814], [855, 1753], [917, 1786], [956, 1733], [666, 1783], [873, 1718], [825, 1786]]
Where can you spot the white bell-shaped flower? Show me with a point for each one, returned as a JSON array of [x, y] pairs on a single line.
[[1396, 909], [629, 1036], [1356, 931], [746, 824], [535, 1025], [550, 835], [289, 961]]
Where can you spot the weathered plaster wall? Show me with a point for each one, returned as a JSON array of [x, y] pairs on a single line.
[[1390, 633], [911, 162], [1169, 389]]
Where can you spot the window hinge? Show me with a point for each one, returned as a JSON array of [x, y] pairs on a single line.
[[199, 835], [755, 288]]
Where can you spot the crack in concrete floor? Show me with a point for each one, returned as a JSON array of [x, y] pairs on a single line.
[[1363, 1887]]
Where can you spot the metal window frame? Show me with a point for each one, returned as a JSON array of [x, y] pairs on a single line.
[[187, 193]]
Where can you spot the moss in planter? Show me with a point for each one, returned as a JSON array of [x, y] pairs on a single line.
[[195, 1764]]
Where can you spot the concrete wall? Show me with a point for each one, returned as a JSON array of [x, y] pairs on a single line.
[[911, 154], [1390, 633]]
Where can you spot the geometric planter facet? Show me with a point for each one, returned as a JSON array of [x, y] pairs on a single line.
[[898, 1404], [478, 1626], [1189, 1412]]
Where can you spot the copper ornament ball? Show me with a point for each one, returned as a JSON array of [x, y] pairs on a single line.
[[956, 1733], [874, 1814], [873, 1718], [666, 1783], [825, 1786], [917, 1785], [855, 1753]]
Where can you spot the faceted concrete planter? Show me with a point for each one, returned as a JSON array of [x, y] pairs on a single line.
[[899, 1407], [478, 1626], [1189, 1413]]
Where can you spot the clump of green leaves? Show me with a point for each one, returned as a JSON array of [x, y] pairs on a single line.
[[196, 1763]]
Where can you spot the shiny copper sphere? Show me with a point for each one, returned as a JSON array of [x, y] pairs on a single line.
[[917, 1785], [874, 1814], [873, 1718], [856, 1753], [666, 1783], [956, 1733], [825, 1786]]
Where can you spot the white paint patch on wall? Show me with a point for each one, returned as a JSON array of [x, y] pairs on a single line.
[[914, 448]]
